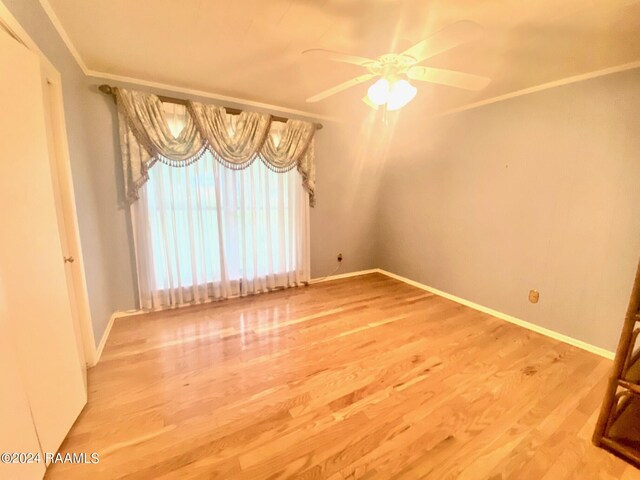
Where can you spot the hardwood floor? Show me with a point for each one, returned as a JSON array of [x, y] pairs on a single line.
[[357, 378]]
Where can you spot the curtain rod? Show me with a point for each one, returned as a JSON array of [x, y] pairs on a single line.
[[109, 90]]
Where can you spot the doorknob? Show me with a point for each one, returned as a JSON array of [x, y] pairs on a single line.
[[68, 259]]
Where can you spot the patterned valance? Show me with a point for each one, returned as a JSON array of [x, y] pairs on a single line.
[[235, 141]]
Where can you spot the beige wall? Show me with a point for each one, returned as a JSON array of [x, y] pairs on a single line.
[[542, 191]]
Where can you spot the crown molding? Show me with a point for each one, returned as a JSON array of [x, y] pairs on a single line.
[[11, 25], [543, 86], [214, 96], [63, 34], [163, 86], [301, 113]]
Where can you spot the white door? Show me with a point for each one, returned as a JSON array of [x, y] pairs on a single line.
[[32, 278], [18, 431], [68, 227]]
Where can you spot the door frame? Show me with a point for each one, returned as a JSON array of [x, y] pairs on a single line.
[[65, 200]]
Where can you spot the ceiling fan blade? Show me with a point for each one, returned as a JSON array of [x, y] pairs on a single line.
[[446, 39], [442, 76], [343, 86], [339, 57]]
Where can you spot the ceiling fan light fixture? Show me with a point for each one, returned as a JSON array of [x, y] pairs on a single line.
[[402, 92], [380, 92], [393, 91]]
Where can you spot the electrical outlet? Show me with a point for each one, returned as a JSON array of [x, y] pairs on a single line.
[[534, 296], [339, 257]]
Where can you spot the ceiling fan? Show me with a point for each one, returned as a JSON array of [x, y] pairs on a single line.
[[393, 89]]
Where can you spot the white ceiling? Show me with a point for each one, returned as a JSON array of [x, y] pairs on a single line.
[[251, 49]]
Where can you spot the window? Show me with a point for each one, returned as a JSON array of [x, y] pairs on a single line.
[[207, 231]]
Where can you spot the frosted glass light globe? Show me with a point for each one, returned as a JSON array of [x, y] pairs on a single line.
[[379, 92], [402, 92]]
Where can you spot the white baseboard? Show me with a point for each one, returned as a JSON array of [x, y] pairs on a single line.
[[103, 340], [107, 331], [128, 313], [343, 275], [503, 316]]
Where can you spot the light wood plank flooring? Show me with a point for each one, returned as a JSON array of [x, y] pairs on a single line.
[[357, 378]]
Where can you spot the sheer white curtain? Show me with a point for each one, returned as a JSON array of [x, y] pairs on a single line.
[[205, 231]]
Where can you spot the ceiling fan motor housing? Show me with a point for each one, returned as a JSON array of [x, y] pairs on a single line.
[[391, 65]]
